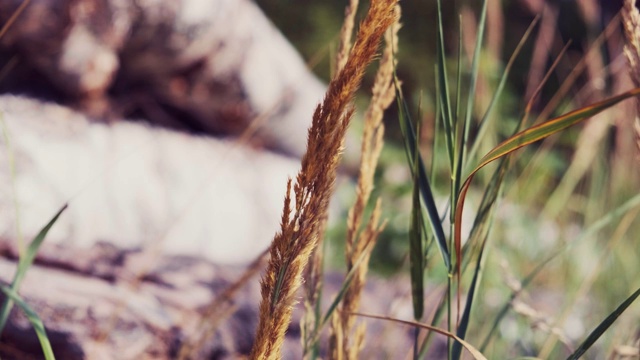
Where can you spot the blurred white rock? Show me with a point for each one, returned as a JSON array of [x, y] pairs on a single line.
[[133, 185]]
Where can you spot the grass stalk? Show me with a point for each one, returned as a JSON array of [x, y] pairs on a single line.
[[360, 238], [293, 245]]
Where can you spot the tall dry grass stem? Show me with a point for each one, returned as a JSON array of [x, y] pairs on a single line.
[[346, 32], [310, 322], [359, 242], [292, 246]]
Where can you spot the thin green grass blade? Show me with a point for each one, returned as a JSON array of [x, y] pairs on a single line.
[[483, 219], [416, 251], [604, 325], [474, 352], [456, 114], [343, 289], [443, 90], [483, 125], [437, 317], [410, 139], [527, 137], [553, 126], [33, 318], [336, 301], [435, 144], [23, 265], [496, 183], [480, 231], [461, 332], [466, 125]]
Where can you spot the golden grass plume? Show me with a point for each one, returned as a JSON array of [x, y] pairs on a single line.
[[346, 32], [292, 246], [359, 243]]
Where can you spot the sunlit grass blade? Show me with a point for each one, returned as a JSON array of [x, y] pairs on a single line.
[[33, 318], [480, 231], [416, 248], [466, 125], [604, 325], [437, 316], [553, 126], [483, 125], [343, 289], [337, 299], [461, 332], [456, 114], [23, 265], [487, 204], [461, 136], [443, 90], [410, 139], [472, 350], [527, 137]]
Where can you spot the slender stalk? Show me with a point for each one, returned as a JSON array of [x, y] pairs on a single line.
[[300, 230]]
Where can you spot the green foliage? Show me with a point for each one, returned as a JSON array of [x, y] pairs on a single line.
[[33, 318], [11, 292], [455, 119]]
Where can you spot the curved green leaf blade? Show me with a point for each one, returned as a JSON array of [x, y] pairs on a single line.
[[525, 138], [604, 325], [33, 318], [23, 265], [410, 140], [416, 251]]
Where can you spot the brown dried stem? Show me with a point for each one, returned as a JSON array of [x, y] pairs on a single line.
[[359, 245], [292, 246], [345, 35], [313, 275]]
